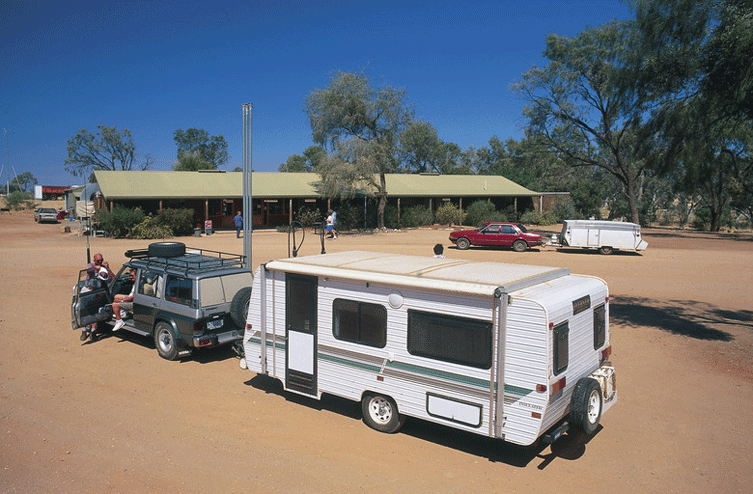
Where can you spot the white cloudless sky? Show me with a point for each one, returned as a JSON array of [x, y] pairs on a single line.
[[153, 67]]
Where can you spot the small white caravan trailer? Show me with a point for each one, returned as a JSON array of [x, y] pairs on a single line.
[[606, 236], [507, 351]]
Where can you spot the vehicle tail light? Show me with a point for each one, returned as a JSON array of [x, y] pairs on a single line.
[[606, 353], [541, 388], [198, 328], [558, 386]]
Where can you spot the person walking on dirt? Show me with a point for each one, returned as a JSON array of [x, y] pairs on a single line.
[[238, 224]]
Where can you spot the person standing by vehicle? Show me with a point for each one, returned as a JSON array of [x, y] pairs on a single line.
[[439, 251], [238, 224], [331, 225]]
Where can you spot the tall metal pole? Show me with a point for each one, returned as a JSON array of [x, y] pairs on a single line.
[[247, 180]]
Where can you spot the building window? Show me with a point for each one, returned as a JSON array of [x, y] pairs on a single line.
[[359, 322], [561, 347], [449, 338], [600, 326]]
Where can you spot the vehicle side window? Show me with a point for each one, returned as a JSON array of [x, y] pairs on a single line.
[[600, 326], [149, 284], [359, 322], [508, 230], [491, 229], [453, 339], [561, 347], [178, 289]]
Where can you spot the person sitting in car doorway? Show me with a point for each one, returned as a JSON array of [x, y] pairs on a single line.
[[124, 302]]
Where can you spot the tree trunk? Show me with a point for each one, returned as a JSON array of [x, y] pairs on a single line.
[[382, 204], [632, 201]]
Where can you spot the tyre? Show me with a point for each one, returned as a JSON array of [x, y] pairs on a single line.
[[463, 243], [585, 405], [166, 341], [519, 246], [380, 413], [167, 249], [606, 250], [239, 307]]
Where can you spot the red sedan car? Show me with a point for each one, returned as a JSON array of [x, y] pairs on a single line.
[[512, 235]]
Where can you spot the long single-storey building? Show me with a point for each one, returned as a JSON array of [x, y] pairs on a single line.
[[217, 195]]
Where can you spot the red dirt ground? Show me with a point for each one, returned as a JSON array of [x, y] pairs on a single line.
[[111, 416]]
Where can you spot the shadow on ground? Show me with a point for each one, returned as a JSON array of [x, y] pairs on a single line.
[[570, 446], [682, 317]]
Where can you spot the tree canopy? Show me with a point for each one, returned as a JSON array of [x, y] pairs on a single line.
[[198, 151], [109, 150], [361, 126]]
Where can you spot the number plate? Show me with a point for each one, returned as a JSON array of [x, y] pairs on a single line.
[[216, 324]]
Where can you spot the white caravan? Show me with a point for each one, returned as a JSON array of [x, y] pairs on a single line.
[[503, 350], [606, 236]]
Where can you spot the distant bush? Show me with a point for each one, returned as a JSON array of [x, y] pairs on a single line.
[[531, 217], [120, 221], [564, 210], [19, 199], [150, 228], [308, 216], [481, 212], [449, 214], [415, 216], [178, 221]]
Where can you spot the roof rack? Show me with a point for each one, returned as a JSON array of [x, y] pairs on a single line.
[[194, 260]]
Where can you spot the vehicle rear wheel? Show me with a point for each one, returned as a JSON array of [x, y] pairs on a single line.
[[380, 413], [463, 243], [167, 249], [166, 341], [519, 246], [239, 306], [606, 250], [586, 405]]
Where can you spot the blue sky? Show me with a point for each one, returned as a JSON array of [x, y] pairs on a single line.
[[153, 67]]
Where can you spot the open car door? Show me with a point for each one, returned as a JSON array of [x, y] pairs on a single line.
[[91, 302]]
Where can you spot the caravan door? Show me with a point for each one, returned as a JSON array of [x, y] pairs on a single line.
[[300, 332]]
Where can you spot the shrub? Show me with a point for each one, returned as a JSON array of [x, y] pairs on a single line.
[[120, 221], [564, 210], [149, 228], [349, 217], [19, 199], [531, 217], [481, 212], [308, 216], [178, 221], [415, 216], [449, 214]]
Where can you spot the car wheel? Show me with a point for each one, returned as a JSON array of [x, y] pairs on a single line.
[[166, 341], [239, 306], [463, 243], [167, 249], [380, 413], [605, 250], [585, 405], [519, 246]]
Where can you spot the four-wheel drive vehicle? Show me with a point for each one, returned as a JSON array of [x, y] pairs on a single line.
[[512, 235], [46, 214], [183, 299]]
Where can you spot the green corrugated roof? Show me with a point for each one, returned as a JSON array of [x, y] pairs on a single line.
[[182, 185]]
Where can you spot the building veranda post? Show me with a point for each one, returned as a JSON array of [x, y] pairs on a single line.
[[218, 195]]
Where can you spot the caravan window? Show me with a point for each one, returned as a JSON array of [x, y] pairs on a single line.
[[561, 347], [600, 326], [449, 338], [359, 322]]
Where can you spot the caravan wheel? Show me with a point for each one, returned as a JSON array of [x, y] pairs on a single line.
[[605, 250], [585, 405], [380, 413]]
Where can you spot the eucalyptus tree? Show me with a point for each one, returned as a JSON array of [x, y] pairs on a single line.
[[580, 104], [361, 126], [110, 149], [198, 151]]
